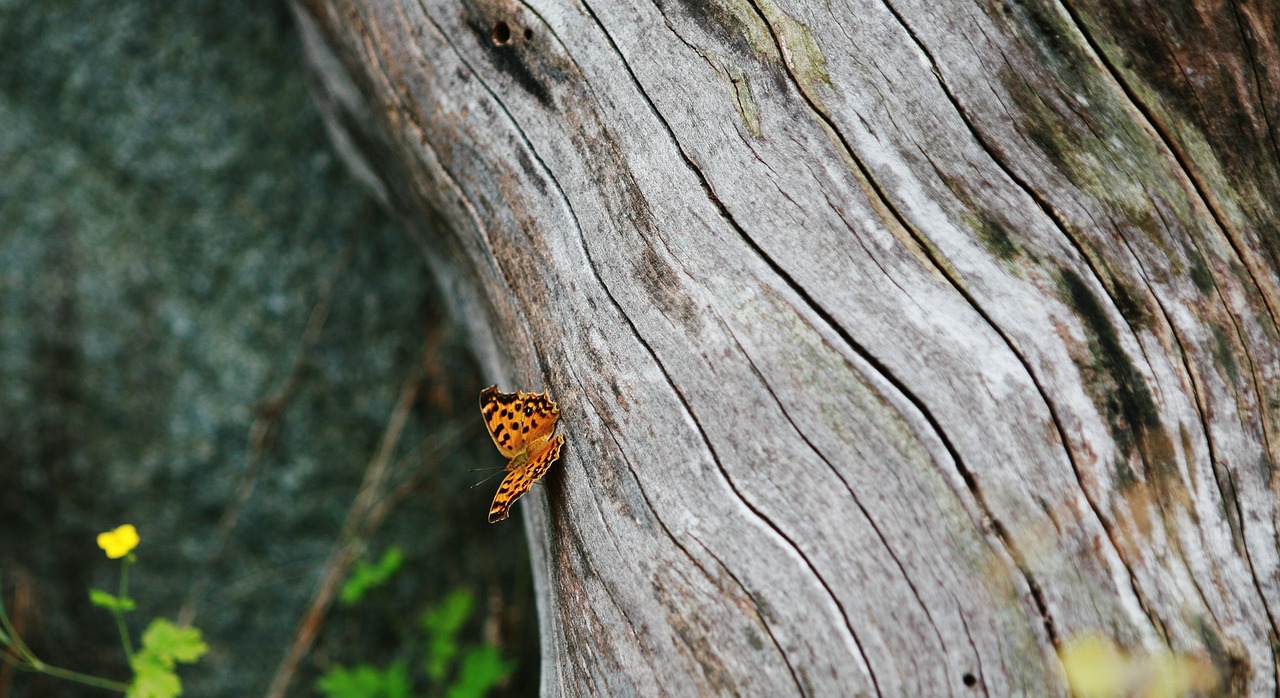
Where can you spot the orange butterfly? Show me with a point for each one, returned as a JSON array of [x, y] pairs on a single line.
[[521, 426]]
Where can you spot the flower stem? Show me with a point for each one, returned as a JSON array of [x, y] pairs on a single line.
[[86, 679], [124, 594], [15, 641]]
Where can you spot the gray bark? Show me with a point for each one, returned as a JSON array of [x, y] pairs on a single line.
[[897, 343]]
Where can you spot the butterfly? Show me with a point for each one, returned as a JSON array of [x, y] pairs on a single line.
[[521, 425]]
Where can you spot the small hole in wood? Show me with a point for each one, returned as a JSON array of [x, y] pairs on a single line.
[[969, 679], [501, 34], [528, 34]]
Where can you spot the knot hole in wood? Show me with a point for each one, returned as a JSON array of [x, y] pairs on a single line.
[[501, 33]]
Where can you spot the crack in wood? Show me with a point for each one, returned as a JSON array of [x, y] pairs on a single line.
[[804, 689], [884, 542], [1168, 143]]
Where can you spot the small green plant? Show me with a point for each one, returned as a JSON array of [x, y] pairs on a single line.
[[448, 666], [164, 645], [365, 681], [366, 577]]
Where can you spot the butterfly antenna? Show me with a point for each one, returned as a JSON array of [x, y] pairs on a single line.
[[485, 480]]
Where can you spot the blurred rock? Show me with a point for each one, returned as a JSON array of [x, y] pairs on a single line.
[[171, 216]]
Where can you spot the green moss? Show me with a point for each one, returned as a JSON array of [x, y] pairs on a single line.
[[1200, 275], [800, 49], [1113, 380], [1044, 129], [734, 24], [1130, 305], [1125, 478], [737, 24], [1224, 356], [997, 238], [740, 92]]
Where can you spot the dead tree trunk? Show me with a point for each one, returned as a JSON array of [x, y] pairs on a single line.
[[898, 343]]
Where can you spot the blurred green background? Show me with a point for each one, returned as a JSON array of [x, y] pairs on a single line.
[[172, 218]]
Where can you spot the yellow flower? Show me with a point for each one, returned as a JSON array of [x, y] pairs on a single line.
[[119, 542], [1096, 668]]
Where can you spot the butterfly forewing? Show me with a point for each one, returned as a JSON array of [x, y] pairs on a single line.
[[516, 419]]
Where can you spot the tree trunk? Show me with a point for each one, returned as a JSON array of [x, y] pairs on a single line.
[[898, 344]]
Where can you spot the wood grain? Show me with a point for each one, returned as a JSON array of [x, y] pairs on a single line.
[[897, 343]]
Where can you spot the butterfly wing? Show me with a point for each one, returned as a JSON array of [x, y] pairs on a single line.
[[519, 480], [516, 419]]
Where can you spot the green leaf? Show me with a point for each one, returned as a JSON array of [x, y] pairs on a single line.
[[482, 668], [4, 638], [359, 682], [448, 616], [365, 681], [170, 643], [396, 681], [152, 678], [366, 577], [111, 602], [442, 624]]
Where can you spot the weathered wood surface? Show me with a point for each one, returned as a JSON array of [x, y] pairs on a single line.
[[897, 343]]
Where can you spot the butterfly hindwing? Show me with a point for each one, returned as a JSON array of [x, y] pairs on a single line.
[[540, 461], [513, 486], [521, 478]]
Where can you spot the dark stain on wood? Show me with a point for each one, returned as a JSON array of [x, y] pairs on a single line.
[[997, 237], [1229, 658], [1046, 129], [733, 30], [1122, 395], [619, 396], [1224, 356], [508, 58], [1130, 303], [717, 20], [1126, 399], [1200, 275], [532, 173], [1041, 26], [1210, 66], [658, 280], [687, 624], [605, 667]]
